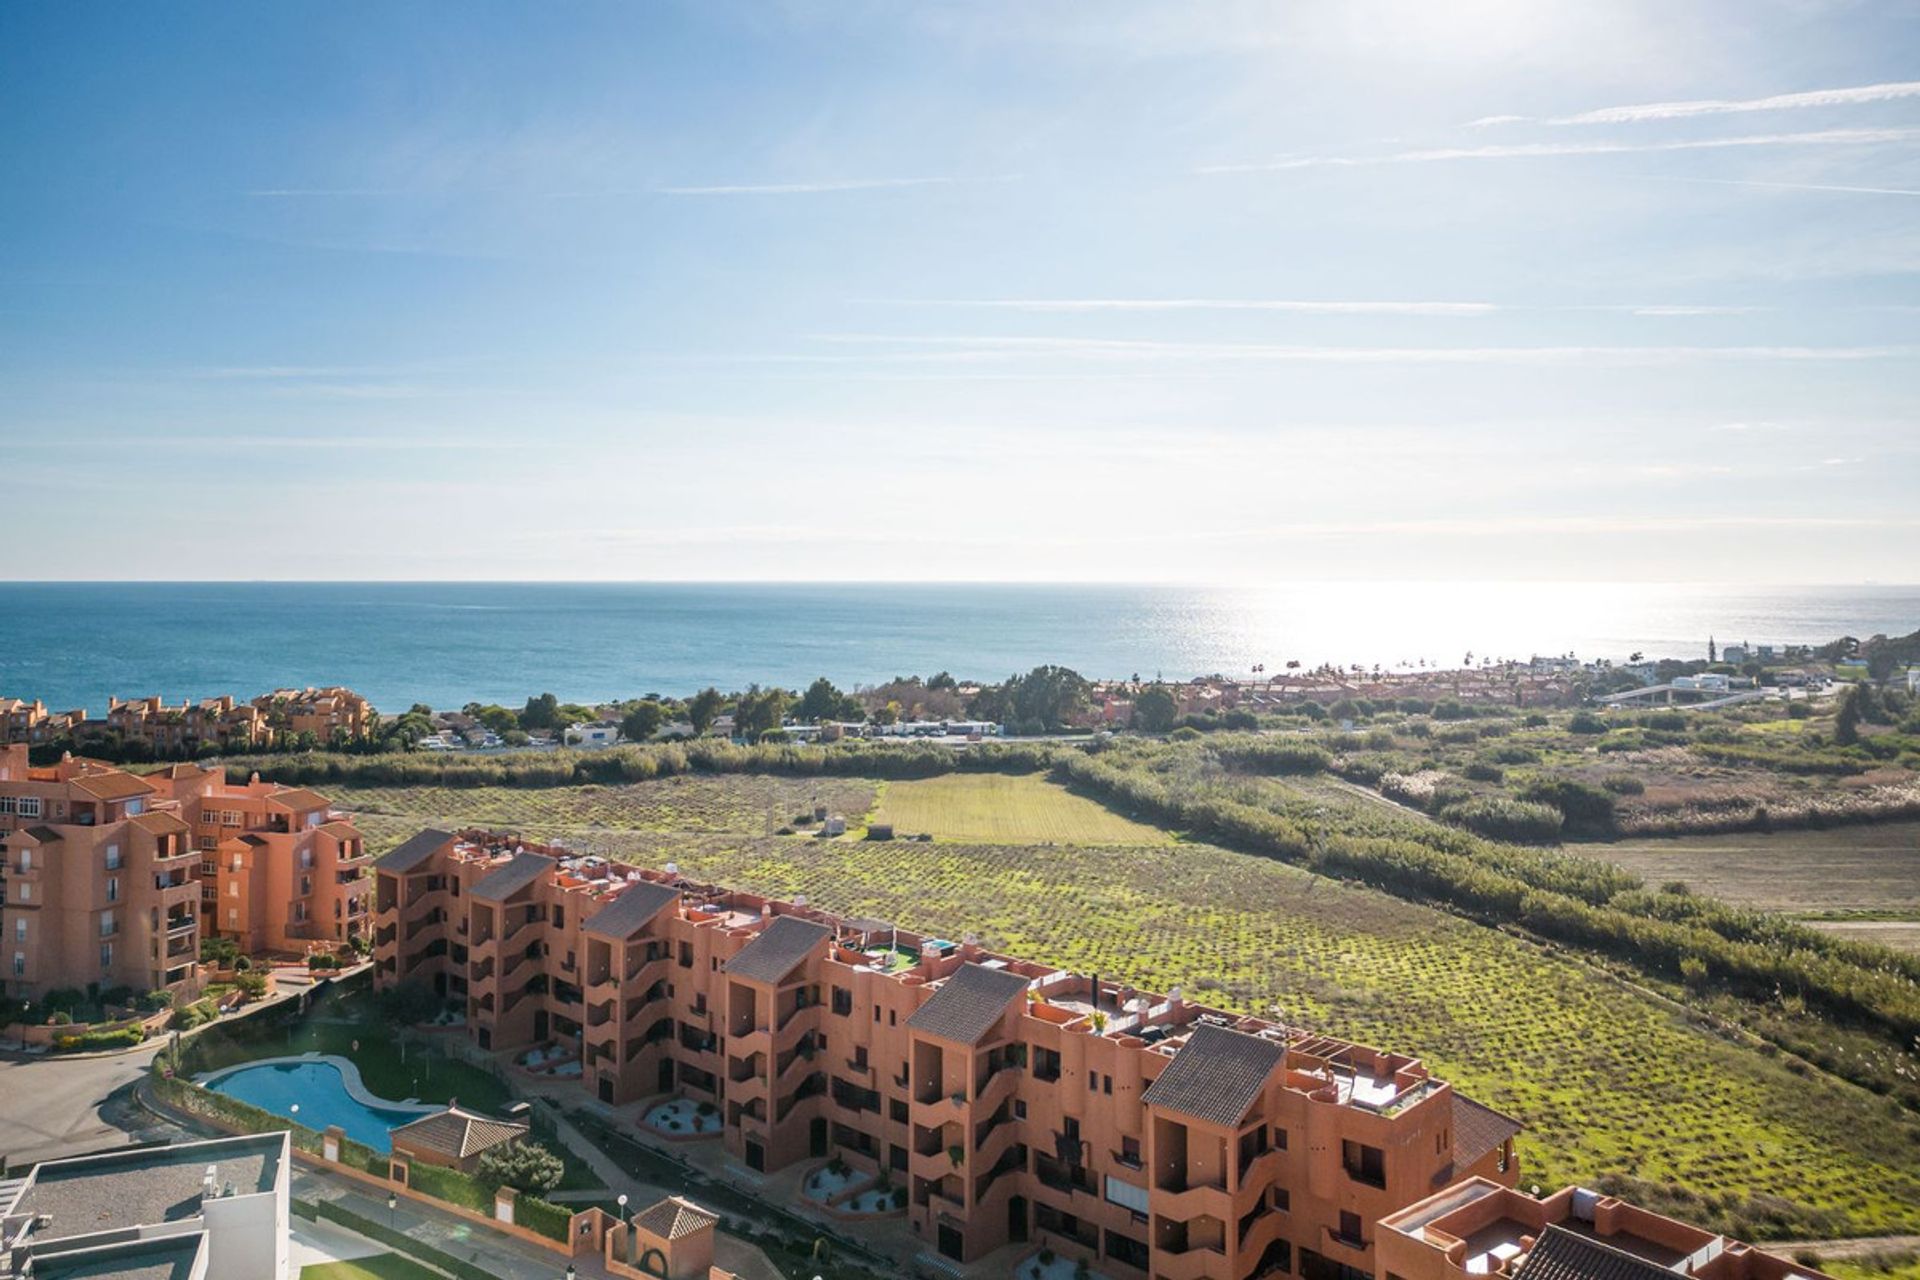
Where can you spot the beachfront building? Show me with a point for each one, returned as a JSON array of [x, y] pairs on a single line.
[[1011, 1101], [1481, 1230], [33, 724], [215, 1210], [184, 729], [330, 714], [111, 880]]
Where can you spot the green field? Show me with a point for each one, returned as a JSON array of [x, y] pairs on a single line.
[[381, 1266], [1607, 1080], [999, 808]]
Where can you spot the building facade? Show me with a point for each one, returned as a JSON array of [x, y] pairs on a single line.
[[113, 880], [1015, 1102], [215, 1210], [1479, 1228]]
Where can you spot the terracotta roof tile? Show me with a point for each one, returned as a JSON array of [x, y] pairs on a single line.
[[966, 1005], [778, 949], [673, 1218], [1216, 1075], [413, 851]]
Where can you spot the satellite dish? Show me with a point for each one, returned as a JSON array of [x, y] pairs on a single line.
[[673, 868], [799, 899]]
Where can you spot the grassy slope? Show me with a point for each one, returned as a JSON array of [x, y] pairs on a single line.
[[994, 808], [1606, 1081], [381, 1266]]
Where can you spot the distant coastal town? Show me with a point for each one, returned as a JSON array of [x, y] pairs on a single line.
[[941, 707]]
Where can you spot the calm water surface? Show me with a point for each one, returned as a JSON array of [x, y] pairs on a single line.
[[72, 644]]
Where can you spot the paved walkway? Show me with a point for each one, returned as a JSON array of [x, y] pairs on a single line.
[[730, 1253]]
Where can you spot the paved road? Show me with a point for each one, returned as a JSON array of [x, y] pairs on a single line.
[[50, 1107]]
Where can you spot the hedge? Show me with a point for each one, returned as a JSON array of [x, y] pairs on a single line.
[[124, 1038], [550, 1220], [400, 1240], [451, 1185], [231, 1113]]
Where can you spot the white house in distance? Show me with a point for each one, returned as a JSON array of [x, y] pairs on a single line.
[[215, 1210], [600, 733]]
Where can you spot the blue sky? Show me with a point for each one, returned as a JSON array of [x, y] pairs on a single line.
[[1494, 289]]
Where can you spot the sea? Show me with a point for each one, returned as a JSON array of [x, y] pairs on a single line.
[[447, 644]]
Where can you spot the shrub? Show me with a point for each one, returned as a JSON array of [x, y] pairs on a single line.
[[1585, 808], [1586, 722], [1498, 818], [1623, 784], [525, 1166], [1479, 771]]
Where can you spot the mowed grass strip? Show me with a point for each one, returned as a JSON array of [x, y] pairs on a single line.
[[381, 1266], [998, 808]]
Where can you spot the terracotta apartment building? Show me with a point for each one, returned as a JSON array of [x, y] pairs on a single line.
[[112, 879], [329, 714], [1016, 1102], [1479, 1228]]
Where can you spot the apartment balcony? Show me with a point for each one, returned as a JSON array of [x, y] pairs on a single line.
[[1261, 1228], [1191, 1199], [795, 1105], [1348, 1249], [183, 947], [636, 1005], [647, 972], [1190, 1264], [385, 936], [998, 1088], [600, 1014]]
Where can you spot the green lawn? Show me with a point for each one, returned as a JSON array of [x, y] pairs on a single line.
[[352, 1028], [999, 808], [381, 1266]]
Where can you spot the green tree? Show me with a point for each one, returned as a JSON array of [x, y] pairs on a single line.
[[824, 701], [702, 708], [1049, 695], [642, 721], [1155, 709], [759, 712], [525, 1166], [1846, 723], [542, 712]]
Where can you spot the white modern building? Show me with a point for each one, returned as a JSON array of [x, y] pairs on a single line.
[[215, 1210]]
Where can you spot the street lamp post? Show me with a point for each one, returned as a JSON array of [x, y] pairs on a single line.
[[26, 1009], [393, 1203], [623, 1208]]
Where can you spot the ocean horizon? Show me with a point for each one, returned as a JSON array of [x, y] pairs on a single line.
[[72, 644]]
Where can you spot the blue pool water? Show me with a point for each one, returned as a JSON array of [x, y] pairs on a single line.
[[321, 1094]]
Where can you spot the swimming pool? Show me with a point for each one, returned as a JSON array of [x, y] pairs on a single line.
[[320, 1089]]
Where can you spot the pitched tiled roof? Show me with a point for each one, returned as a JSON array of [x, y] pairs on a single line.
[[458, 1133], [509, 879], [673, 1218], [112, 785], [1478, 1129], [413, 851], [966, 1005], [1216, 1075], [637, 904], [780, 947], [1560, 1254], [299, 799], [162, 824]]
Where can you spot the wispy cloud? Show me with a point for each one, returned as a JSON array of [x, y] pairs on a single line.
[[1538, 150], [1688, 109], [1312, 306], [1302, 306], [1791, 186], [994, 347], [823, 187]]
